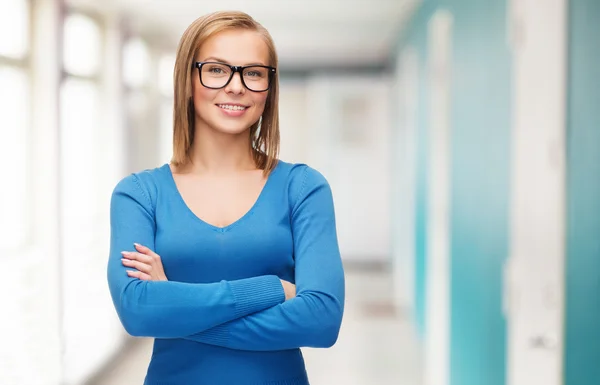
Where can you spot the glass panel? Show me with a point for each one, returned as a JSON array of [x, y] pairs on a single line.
[[14, 138], [136, 63], [82, 45], [14, 28], [79, 114]]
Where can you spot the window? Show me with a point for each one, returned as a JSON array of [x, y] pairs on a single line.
[[79, 113], [14, 28], [136, 63], [82, 185], [143, 112], [79, 159], [81, 46], [14, 155], [15, 126]]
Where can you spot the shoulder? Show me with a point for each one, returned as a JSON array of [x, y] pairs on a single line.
[[299, 174], [302, 180], [143, 185]]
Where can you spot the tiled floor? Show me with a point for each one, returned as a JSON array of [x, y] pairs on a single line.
[[376, 345]]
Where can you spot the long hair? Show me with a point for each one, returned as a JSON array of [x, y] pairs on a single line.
[[264, 134]]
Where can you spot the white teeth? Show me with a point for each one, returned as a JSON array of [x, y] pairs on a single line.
[[232, 108]]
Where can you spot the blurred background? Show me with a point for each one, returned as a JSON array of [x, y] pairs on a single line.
[[461, 139]]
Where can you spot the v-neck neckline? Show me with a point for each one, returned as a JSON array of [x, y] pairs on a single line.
[[228, 227]]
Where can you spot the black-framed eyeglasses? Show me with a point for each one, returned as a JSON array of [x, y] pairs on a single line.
[[217, 75]]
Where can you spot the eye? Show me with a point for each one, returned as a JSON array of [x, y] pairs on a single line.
[[216, 69], [255, 72]]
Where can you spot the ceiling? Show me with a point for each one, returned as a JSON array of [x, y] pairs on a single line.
[[308, 33]]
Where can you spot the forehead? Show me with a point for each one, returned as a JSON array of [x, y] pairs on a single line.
[[237, 47]]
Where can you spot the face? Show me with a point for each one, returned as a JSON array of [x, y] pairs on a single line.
[[215, 108]]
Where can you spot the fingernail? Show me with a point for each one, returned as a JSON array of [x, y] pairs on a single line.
[[124, 253], [137, 244]]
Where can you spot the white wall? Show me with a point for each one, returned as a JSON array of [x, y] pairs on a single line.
[[437, 281], [293, 120], [405, 108], [535, 271], [341, 126]]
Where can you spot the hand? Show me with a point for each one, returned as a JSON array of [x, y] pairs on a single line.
[[146, 262], [289, 289]]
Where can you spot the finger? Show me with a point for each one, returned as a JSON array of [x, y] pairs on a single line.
[[137, 256], [145, 250], [139, 275], [143, 267], [141, 248]]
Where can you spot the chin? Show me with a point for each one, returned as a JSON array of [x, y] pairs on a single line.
[[232, 129]]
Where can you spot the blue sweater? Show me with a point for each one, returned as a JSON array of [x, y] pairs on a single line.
[[222, 318]]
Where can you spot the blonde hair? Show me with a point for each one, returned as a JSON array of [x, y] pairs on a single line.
[[264, 134]]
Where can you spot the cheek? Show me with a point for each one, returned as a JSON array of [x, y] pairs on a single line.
[[203, 97], [259, 101]]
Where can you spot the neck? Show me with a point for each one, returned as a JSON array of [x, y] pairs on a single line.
[[220, 153]]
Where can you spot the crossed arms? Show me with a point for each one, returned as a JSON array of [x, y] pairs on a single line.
[[246, 314]]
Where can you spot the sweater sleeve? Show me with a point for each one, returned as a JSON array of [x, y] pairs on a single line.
[[167, 309], [313, 318]]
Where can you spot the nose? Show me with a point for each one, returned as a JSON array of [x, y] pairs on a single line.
[[235, 86]]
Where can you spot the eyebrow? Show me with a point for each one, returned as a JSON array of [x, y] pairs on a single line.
[[212, 58]]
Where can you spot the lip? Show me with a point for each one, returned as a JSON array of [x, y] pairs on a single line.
[[233, 113]]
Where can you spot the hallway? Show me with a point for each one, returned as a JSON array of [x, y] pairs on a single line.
[[376, 345]]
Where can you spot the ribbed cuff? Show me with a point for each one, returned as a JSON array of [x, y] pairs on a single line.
[[256, 294], [218, 335]]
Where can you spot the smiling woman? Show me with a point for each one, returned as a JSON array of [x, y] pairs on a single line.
[[227, 256]]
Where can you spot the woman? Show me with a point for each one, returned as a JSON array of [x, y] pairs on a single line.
[[227, 256]]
